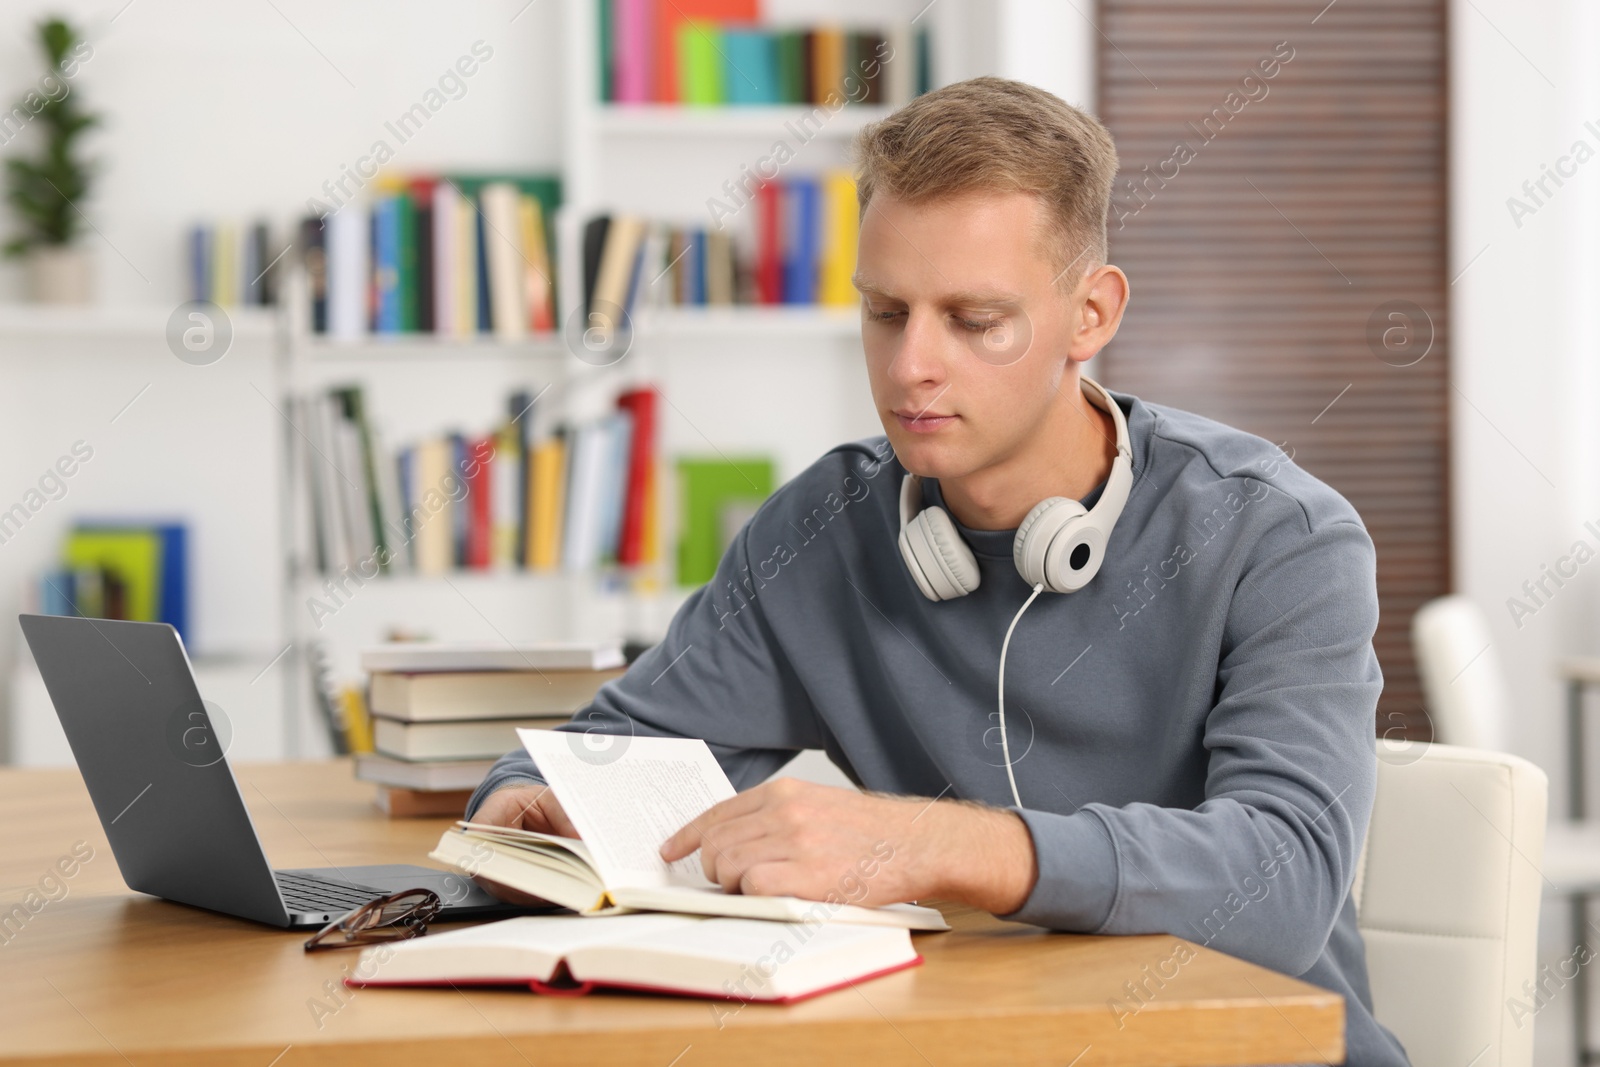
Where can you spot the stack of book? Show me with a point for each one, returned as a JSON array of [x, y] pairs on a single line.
[[772, 242], [443, 713], [458, 255], [534, 493], [714, 52]]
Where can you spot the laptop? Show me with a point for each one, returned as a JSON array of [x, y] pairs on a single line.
[[169, 803]]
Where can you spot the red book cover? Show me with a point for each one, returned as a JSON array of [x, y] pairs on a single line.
[[669, 15], [562, 984], [641, 404], [769, 251], [480, 523]]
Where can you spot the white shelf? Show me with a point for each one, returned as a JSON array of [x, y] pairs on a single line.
[[428, 346], [762, 321], [732, 120], [410, 581], [125, 321]]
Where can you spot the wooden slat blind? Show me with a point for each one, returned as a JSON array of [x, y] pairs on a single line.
[[1257, 264]]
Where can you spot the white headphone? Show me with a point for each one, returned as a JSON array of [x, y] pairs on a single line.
[[1058, 544]]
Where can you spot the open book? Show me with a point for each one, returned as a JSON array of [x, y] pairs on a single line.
[[740, 959], [625, 801]]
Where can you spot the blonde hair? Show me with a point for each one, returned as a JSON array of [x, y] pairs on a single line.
[[994, 134]]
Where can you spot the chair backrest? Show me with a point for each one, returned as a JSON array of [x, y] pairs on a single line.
[[1461, 677], [1447, 897]]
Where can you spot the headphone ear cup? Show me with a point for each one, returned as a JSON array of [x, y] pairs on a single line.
[[940, 561], [1038, 530]]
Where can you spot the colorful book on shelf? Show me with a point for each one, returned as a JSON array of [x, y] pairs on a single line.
[[480, 506], [506, 259], [568, 955], [420, 193], [547, 518], [769, 242], [641, 405], [669, 15], [506, 505], [538, 271], [789, 46], [751, 59], [707, 488], [444, 216], [800, 241], [839, 238], [385, 282], [406, 256], [712, 52], [827, 59], [314, 260], [201, 248], [349, 240], [700, 63], [608, 307], [122, 570], [796, 244], [632, 60], [580, 539], [571, 497], [132, 555], [455, 255]]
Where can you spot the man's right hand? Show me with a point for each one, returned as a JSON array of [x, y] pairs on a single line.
[[526, 807]]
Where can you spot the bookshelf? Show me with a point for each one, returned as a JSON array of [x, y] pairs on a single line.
[[670, 120], [728, 376]]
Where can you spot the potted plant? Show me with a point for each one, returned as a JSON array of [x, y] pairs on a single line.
[[45, 191]]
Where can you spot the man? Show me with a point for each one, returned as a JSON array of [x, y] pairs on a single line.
[[1191, 734]]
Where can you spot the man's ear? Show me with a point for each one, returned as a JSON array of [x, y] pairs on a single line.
[[1103, 297]]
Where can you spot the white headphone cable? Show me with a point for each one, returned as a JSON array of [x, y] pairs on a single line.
[[1005, 746]]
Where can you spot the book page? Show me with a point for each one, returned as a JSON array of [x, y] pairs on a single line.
[[627, 804], [523, 948]]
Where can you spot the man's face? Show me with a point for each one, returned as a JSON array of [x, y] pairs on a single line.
[[964, 332]]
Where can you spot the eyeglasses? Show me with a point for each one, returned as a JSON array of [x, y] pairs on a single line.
[[391, 918]]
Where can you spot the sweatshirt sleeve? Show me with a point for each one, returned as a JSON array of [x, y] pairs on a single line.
[[1261, 868], [719, 674]]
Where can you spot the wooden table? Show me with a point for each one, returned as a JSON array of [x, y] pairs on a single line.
[[106, 976]]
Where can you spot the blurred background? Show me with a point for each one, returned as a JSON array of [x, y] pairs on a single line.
[[325, 323]]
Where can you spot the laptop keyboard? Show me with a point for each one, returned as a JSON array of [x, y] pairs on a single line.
[[307, 893]]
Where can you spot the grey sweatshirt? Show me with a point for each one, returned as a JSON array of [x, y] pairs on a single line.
[[1192, 733]]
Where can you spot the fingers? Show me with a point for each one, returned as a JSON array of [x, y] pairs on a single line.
[[526, 807], [719, 841], [688, 838], [556, 816]]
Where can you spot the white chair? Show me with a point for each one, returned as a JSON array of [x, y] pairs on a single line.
[[1461, 677], [1468, 704], [1447, 900]]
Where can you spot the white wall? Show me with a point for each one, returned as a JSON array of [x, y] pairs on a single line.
[[227, 110], [1523, 330]]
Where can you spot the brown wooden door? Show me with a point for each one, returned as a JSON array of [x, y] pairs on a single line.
[[1281, 213]]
